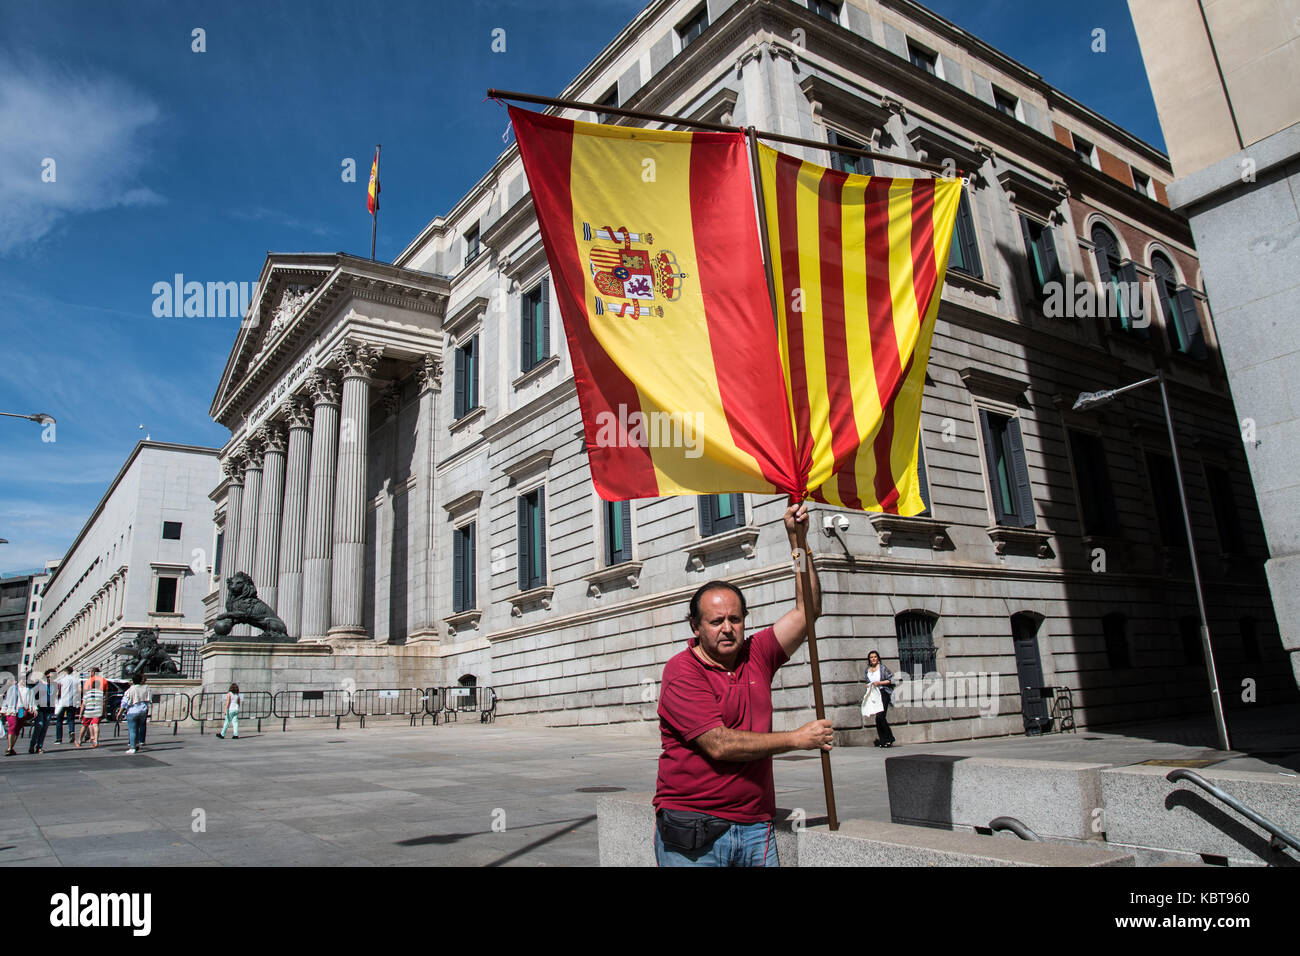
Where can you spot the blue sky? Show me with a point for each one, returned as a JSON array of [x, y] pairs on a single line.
[[171, 161]]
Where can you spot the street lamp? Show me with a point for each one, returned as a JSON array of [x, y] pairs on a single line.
[[1090, 400], [40, 417]]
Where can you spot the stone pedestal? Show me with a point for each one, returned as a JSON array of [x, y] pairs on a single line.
[[257, 666]]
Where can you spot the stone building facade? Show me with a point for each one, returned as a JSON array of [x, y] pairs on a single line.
[[407, 482], [141, 560], [1224, 77]]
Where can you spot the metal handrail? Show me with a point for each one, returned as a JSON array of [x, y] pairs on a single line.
[[1016, 827], [1279, 834]]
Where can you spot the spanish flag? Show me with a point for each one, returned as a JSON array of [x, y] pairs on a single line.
[[654, 253], [372, 191], [858, 264]]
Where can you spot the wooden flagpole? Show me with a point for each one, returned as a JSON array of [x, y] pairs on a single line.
[[803, 565]]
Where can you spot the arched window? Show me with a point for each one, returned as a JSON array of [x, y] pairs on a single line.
[[1178, 308], [1117, 284]]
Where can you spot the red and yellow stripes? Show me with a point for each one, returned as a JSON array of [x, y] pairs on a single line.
[[682, 393], [372, 191], [858, 265]]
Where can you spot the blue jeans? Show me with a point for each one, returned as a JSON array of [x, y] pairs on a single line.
[[135, 730], [42, 721], [232, 720], [68, 715], [745, 844]]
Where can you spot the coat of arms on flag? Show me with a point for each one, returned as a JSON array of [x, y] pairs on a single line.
[[633, 276]]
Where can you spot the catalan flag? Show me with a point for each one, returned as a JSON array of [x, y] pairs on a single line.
[[858, 264], [372, 191], [654, 252]]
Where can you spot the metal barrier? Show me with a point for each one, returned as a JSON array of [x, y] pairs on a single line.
[[432, 703], [389, 702], [211, 705], [171, 706], [472, 700], [312, 703]]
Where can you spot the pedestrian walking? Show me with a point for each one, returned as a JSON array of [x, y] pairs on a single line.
[[93, 692], [880, 683], [65, 708], [44, 694], [232, 713], [18, 709], [135, 705]]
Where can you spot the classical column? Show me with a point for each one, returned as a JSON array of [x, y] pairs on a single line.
[[248, 518], [266, 553], [233, 466], [294, 517], [357, 362], [419, 536], [318, 531]]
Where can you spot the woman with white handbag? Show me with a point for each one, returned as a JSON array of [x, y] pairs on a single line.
[[880, 688]]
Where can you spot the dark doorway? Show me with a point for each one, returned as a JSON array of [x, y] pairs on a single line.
[[1029, 668]]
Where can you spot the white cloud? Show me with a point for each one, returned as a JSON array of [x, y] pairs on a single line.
[[91, 126]]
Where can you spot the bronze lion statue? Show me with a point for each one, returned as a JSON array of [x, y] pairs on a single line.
[[243, 607]]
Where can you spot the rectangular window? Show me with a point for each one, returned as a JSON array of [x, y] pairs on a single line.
[[535, 325], [463, 594], [690, 30], [1142, 183], [847, 162], [618, 532], [916, 651], [216, 561], [923, 58], [1005, 102], [1086, 152], [719, 513], [609, 99], [1226, 518], [531, 529], [965, 253], [1004, 451], [1096, 501], [827, 9], [1041, 249], [465, 399], [165, 602], [1168, 503], [472, 247], [172, 530]]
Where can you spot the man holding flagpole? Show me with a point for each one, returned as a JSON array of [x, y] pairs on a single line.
[[715, 797]]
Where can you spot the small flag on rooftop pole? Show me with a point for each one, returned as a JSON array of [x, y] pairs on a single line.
[[372, 202]]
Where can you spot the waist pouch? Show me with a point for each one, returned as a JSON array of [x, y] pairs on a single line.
[[689, 829]]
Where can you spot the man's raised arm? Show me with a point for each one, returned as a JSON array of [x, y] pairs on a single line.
[[792, 628]]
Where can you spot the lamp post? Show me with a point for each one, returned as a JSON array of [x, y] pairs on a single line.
[[1090, 400], [40, 417]]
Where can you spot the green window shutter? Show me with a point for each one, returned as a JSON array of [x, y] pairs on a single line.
[[471, 375], [706, 515], [539, 524], [544, 346], [1024, 491], [471, 549], [527, 333], [1132, 297], [1189, 320], [458, 572], [522, 536], [458, 401], [991, 458]]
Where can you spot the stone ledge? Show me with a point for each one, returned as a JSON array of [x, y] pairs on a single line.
[[742, 539]]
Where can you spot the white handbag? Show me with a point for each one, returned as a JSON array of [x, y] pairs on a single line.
[[872, 702]]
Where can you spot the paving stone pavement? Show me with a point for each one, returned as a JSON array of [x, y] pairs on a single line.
[[394, 795]]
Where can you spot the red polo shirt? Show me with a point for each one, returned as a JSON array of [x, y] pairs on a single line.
[[696, 697]]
